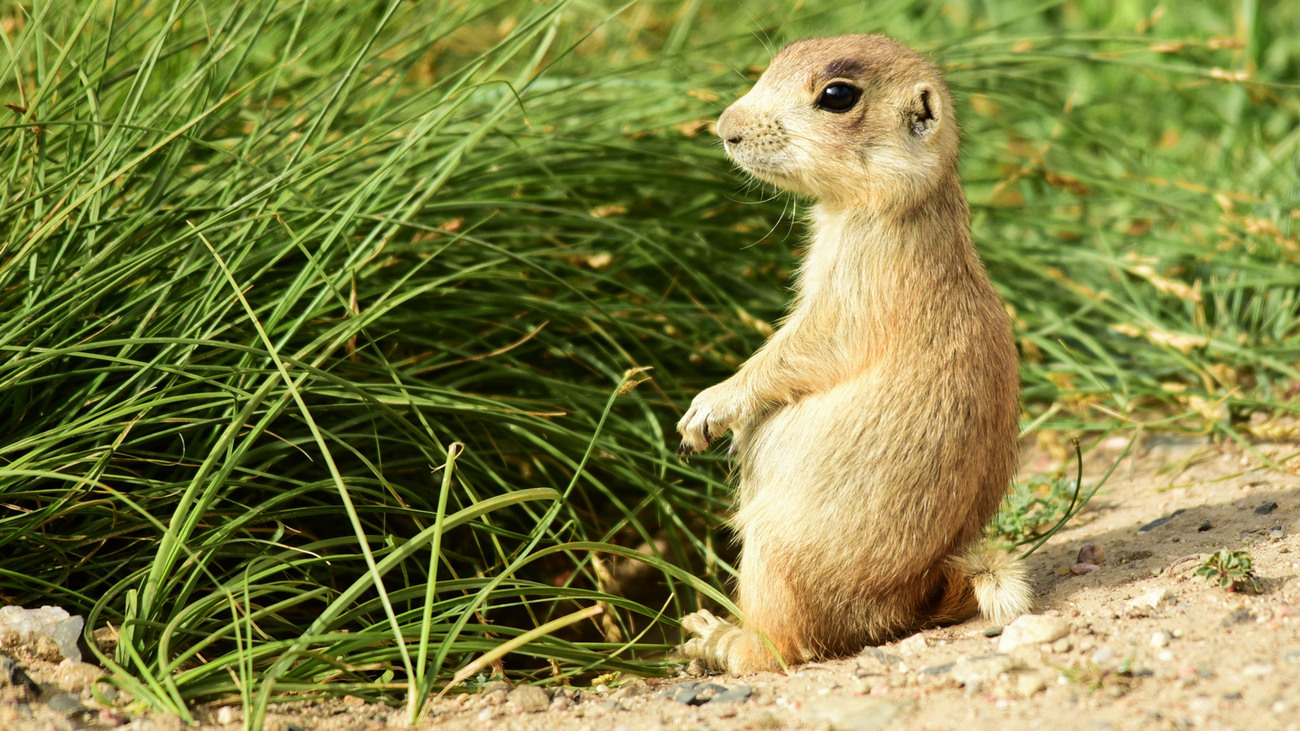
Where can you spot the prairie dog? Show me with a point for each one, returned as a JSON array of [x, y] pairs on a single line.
[[875, 431]]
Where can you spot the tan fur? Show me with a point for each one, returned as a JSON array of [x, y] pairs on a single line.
[[875, 431]]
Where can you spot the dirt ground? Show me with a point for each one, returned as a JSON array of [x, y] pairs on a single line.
[[1143, 643]]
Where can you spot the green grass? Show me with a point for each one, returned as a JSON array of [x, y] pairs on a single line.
[[319, 319]]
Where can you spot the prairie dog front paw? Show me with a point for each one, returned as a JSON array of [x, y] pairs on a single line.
[[712, 413]]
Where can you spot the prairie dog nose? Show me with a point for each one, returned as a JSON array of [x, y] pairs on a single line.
[[728, 127]]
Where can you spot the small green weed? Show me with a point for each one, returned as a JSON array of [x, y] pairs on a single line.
[[1232, 570], [1031, 507]]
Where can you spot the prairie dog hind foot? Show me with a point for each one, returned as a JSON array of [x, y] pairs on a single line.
[[723, 645]]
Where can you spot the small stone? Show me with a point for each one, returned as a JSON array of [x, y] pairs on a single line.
[[528, 699], [1266, 508], [1079, 569], [912, 645], [12, 674], [1164, 656], [1257, 670], [937, 669], [1027, 684], [1062, 645], [1160, 521], [1091, 553], [1275, 534], [111, 717], [1292, 656], [66, 703], [738, 694], [1032, 629], [1161, 639], [632, 688], [1103, 655], [1207, 525], [992, 632], [975, 671], [1153, 599], [1240, 616], [865, 713], [887, 661], [226, 714], [558, 703]]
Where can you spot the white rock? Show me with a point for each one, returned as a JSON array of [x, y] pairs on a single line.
[[52, 622], [1032, 629], [1153, 599], [1161, 639], [912, 645]]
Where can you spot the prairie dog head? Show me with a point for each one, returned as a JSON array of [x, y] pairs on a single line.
[[849, 120]]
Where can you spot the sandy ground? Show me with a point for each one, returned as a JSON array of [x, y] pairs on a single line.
[[1143, 642]]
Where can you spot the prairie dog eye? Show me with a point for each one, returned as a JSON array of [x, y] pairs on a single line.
[[838, 97]]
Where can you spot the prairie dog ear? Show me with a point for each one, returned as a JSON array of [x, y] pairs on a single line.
[[924, 110]]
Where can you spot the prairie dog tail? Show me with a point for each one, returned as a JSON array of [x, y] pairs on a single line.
[[998, 580]]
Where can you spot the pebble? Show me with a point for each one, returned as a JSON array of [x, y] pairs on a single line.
[[528, 699], [993, 632], [1062, 645], [855, 714], [1275, 534], [1103, 655], [1240, 616], [1032, 629], [66, 703], [12, 674], [1161, 521], [226, 714], [975, 671], [1292, 656], [1079, 569], [1266, 508], [1153, 599], [887, 660], [1161, 638], [1207, 525], [738, 694], [1091, 553], [912, 645], [559, 703], [1028, 684], [1257, 670], [694, 694], [937, 669]]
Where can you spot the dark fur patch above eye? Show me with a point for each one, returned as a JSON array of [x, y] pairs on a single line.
[[844, 68]]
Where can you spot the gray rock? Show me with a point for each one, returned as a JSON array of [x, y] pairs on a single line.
[[1160, 521], [975, 671], [1241, 616], [1292, 656], [993, 632], [1207, 525], [528, 699], [695, 694], [888, 660], [66, 703], [1266, 508], [937, 669], [738, 694], [13, 675], [856, 714]]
